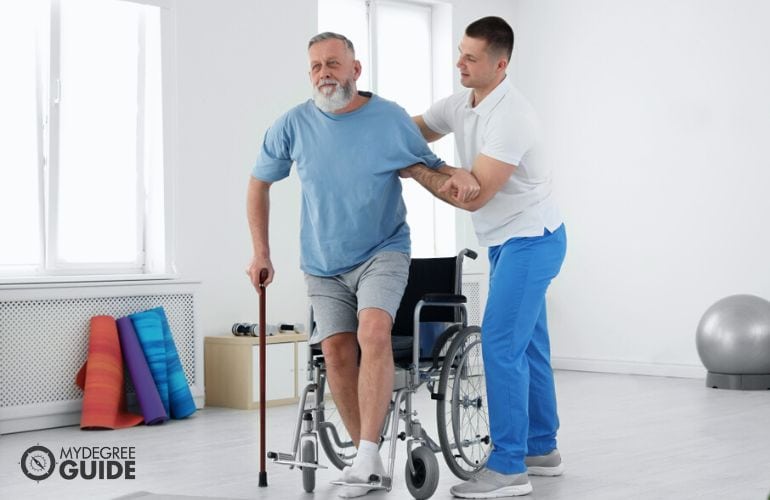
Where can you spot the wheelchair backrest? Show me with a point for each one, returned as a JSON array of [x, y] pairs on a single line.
[[434, 275]]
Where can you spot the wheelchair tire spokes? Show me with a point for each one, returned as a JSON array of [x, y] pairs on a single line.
[[469, 406], [463, 423]]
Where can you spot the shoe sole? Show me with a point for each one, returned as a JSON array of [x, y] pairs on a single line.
[[506, 491], [546, 471]]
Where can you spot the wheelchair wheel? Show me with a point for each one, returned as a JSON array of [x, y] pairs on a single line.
[[463, 421], [334, 437], [308, 473], [423, 483]]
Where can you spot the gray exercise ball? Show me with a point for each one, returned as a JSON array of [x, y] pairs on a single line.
[[733, 338]]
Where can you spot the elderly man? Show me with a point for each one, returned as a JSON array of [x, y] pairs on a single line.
[[348, 147]]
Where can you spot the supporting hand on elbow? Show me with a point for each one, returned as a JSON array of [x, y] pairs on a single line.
[[462, 186]]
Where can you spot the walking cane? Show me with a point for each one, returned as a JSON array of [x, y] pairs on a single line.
[[262, 363]]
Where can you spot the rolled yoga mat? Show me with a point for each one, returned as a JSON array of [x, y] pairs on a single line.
[[101, 378], [154, 335], [144, 385], [149, 332]]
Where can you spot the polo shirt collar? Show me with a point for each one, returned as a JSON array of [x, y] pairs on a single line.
[[491, 100]]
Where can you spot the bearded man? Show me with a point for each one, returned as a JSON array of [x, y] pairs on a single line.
[[348, 147]]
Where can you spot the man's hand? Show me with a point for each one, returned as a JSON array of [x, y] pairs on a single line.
[[461, 185], [257, 264]]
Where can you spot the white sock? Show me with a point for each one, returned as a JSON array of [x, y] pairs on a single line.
[[366, 463]]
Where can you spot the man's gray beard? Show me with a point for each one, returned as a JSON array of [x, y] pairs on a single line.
[[341, 97]]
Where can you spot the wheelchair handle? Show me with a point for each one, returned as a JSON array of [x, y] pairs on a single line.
[[459, 266]]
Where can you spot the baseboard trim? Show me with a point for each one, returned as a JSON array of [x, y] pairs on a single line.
[[63, 413], [628, 367]]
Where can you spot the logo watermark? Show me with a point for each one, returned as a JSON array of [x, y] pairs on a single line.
[[37, 463], [83, 462]]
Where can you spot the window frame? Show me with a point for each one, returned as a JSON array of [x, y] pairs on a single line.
[[154, 252]]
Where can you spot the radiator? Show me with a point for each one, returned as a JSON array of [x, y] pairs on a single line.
[[44, 342], [474, 289]]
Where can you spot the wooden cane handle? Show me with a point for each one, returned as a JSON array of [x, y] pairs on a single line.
[[262, 276]]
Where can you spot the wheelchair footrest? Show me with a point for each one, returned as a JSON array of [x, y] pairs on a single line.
[[288, 459], [375, 483], [306, 465]]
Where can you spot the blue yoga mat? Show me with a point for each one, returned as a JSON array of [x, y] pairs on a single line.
[[154, 335], [144, 385]]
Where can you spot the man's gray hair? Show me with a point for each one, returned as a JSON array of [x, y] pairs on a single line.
[[328, 35]]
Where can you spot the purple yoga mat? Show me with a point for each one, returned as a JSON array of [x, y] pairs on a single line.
[[146, 391]]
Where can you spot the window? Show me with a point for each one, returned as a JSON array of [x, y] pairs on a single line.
[[81, 167], [404, 49]]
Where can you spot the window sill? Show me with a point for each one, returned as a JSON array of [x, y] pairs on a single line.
[[82, 281]]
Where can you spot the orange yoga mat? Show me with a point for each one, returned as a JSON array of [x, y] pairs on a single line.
[[101, 378]]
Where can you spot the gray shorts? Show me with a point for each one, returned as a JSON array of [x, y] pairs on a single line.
[[337, 300]]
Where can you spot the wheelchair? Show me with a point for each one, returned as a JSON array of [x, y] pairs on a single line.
[[433, 346]]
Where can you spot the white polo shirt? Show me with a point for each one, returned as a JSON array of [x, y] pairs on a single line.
[[503, 126]]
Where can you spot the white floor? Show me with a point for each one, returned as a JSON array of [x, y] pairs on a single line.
[[622, 437]]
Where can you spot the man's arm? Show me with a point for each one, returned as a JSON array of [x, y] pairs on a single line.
[[461, 185], [258, 214], [491, 175], [426, 131]]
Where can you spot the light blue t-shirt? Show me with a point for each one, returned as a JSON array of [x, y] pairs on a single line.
[[348, 165]]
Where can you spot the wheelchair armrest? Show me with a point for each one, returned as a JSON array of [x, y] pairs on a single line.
[[437, 298]]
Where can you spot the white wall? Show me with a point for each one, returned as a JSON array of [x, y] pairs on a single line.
[[241, 64], [657, 114]]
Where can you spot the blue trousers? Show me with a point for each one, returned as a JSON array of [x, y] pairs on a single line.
[[517, 355]]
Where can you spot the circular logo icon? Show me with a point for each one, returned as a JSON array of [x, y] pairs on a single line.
[[37, 463]]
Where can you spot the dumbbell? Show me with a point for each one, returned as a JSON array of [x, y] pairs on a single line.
[[245, 329]]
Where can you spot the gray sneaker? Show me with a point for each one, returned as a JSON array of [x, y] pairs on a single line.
[[545, 465], [490, 484]]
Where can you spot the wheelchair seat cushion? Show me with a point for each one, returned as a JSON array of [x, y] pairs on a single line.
[[402, 349]]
